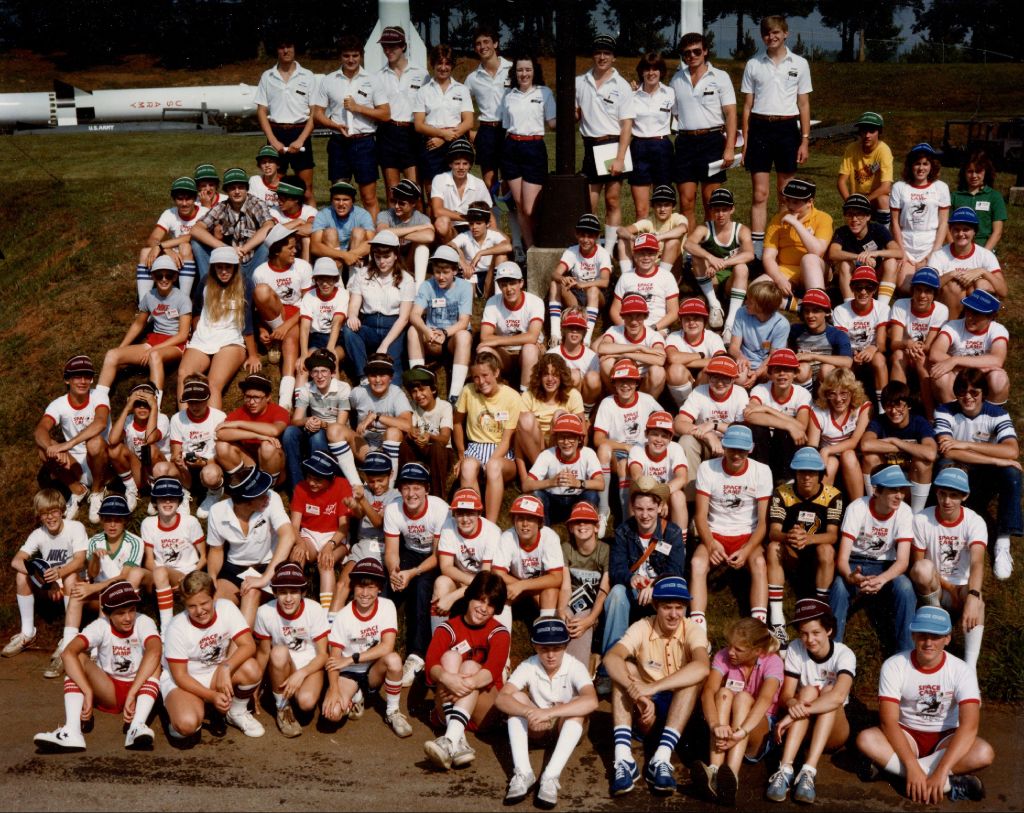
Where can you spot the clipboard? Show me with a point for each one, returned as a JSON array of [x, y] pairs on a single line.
[[604, 154]]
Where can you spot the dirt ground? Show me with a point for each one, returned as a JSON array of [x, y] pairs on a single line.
[[363, 766]]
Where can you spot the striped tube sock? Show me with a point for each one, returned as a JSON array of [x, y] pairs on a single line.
[[736, 299], [591, 321], [791, 304], [555, 312], [74, 702], [604, 503], [457, 722], [623, 737], [143, 281], [392, 694], [758, 239], [775, 594], [883, 217], [342, 452], [325, 600], [187, 277], [144, 701], [667, 744], [885, 291], [698, 618], [392, 449], [707, 287], [760, 613], [821, 593], [165, 606]]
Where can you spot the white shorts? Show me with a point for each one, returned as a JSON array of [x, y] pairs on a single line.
[[918, 245], [167, 684], [302, 657], [366, 548], [318, 538]]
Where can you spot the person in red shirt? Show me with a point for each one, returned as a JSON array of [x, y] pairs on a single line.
[[251, 435]]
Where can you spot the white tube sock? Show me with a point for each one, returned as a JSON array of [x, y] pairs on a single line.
[[567, 741]]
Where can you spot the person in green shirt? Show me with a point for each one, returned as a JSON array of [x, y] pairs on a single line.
[[974, 189]]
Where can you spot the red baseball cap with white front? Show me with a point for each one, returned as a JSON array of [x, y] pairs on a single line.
[[645, 242], [693, 306], [818, 298], [569, 423], [723, 365], [467, 499], [574, 318], [634, 303], [783, 357], [626, 369], [660, 420], [864, 273], [527, 505], [583, 512]]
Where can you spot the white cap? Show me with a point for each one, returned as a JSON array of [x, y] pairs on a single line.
[[445, 254], [508, 270], [326, 267], [164, 263], [385, 238], [224, 254], [279, 232]]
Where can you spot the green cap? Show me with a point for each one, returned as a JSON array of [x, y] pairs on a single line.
[[268, 152], [206, 172], [869, 119], [290, 190], [236, 175], [184, 184], [343, 188]]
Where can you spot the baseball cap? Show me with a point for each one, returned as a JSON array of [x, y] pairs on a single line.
[[79, 365], [645, 484], [783, 357], [634, 303], [890, 477], [603, 42], [268, 152], [164, 263], [369, 568], [924, 148], [475, 213], [626, 369], [583, 512], [659, 420], [508, 270], [573, 318], [142, 386], [277, 234], [954, 479], [982, 302], [549, 632], [671, 588], [115, 506], [292, 190], [645, 242], [321, 357], [738, 436], [870, 119], [167, 488], [343, 188], [195, 391], [206, 172], [807, 458], [799, 189], [461, 148], [807, 609], [392, 35], [964, 215], [588, 222], [375, 463], [386, 239], [693, 306], [721, 197], [255, 381], [255, 485], [119, 594], [931, 621], [288, 574], [413, 473], [857, 203], [568, 423], [467, 499], [407, 189], [37, 569], [224, 254], [527, 505], [380, 364], [663, 193], [419, 375], [926, 275], [445, 254], [864, 273], [816, 297], [723, 365], [184, 184], [321, 464], [235, 175]]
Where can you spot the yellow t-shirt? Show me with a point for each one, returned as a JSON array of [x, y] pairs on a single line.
[[651, 225], [545, 411], [656, 656], [783, 237], [488, 418], [866, 172]]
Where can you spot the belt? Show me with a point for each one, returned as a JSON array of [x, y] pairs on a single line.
[[515, 137], [290, 125], [705, 131], [489, 123], [351, 137], [762, 117], [394, 123], [650, 138], [601, 139]]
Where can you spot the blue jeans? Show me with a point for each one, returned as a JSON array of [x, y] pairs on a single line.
[[619, 608], [201, 252], [557, 507], [896, 601], [1004, 481], [373, 329], [298, 444]]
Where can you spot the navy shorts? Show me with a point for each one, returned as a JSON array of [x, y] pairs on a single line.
[[296, 161], [694, 153], [352, 157], [652, 161], [229, 572], [524, 159], [318, 341], [361, 677], [397, 146], [772, 142], [589, 168], [488, 145], [432, 162]]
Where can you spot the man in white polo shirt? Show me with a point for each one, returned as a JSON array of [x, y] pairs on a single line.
[[488, 85]]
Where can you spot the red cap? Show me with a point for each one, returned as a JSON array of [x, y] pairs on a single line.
[[567, 422], [625, 369], [467, 499], [574, 318], [723, 365], [527, 505], [583, 512], [634, 303], [693, 306], [864, 273], [660, 420], [818, 298], [783, 357], [646, 242]]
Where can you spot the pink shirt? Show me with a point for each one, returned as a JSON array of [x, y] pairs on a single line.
[[732, 677]]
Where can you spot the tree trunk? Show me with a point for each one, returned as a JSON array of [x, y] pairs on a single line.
[[442, 23], [739, 31]]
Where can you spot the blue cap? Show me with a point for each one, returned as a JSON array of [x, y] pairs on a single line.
[[37, 568], [670, 588], [376, 463], [167, 488], [114, 506], [923, 147], [413, 473], [925, 275], [255, 485], [321, 464], [982, 301], [931, 620], [890, 477], [807, 458], [738, 436], [965, 215], [549, 632], [953, 478]]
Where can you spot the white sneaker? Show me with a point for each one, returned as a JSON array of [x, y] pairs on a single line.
[[60, 741], [213, 496], [55, 668], [358, 706], [71, 511], [519, 787], [131, 495], [716, 318], [245, 722], [17, 645], [1003, 565], [413, 665], [547, 793], [462, 753], [602, 523], [399, 723], [95, 501], [139, 737], [439, 752], [726, 335], [185, 508]]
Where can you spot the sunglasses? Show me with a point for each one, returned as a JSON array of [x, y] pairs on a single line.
[[691, 52], [971, 393], [164, 275], [862, 287]]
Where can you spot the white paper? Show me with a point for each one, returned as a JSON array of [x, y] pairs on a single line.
[[604, 154], [719, 165], [254, 573]]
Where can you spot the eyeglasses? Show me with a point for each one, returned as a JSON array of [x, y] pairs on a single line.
[[50, 512], [971, 393], [257, 397], [691, 52], [837, 394], [894, 404]]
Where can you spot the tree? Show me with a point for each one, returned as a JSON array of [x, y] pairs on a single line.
[[992, 27], [755, 10], [875, 20], [639, 32]]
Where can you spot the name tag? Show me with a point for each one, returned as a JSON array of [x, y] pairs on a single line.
[[735, 685], [172, 313], [870, 245], [982, 206], [438, 302], [462, 647], [805, 516], [501, 416], [313, 510], [663, 547]]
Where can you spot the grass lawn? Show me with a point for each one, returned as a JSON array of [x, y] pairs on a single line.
[[77, 209]]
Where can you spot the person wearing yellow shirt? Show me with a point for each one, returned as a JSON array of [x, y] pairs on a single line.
[[796, 241], [867, 168]]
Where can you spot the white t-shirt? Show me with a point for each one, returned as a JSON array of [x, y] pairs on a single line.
[[511, 321], [653, 112], [625, 423], [197, 437], [320, 312], [962, 342], [701, 405], [544, 557], [820, 674], [203, 648], [919, 214], [583, 268], [550, 690], [799, 398], [587, 360], [443, 108], [371, 537], [469, 552], [733, 498], [172, 223], [307, 214], [352, 633], [710, 344], [468, 247], [918, 326], [299, 632], [451, 197], [929, 701], [56, 549], [419, 533], [833, 432], [135, 436], [120, 656], [656, 289], [332, 90], [860, 327], [71, 419], [664, 468], [175, 546], [946, 262], [549, 463], [603, 109], [875, 536], [949, 546], [257, 546], [776, 86], [290, 284], [650, 338], [259, 189]]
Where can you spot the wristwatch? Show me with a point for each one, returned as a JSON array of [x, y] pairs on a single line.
[[975, 593], [355, 657]]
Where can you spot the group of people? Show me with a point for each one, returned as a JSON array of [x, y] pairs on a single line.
[[850, 451]]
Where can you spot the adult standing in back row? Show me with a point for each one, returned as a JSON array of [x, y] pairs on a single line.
[[488, 85], [776, 118]]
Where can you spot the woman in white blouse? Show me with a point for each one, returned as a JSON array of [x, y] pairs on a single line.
[[654, 104], [381, 294], [442, 111]]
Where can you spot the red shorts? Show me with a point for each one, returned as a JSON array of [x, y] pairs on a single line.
[[731, 543], [153, 339], [289, 311], [928, 741], [121, 688]]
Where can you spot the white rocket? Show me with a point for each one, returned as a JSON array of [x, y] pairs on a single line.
[[393, 12]]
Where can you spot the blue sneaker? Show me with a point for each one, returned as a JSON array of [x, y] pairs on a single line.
[[803, 788], [778, 786], [625, 775], [659, 777], [965, 787]]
